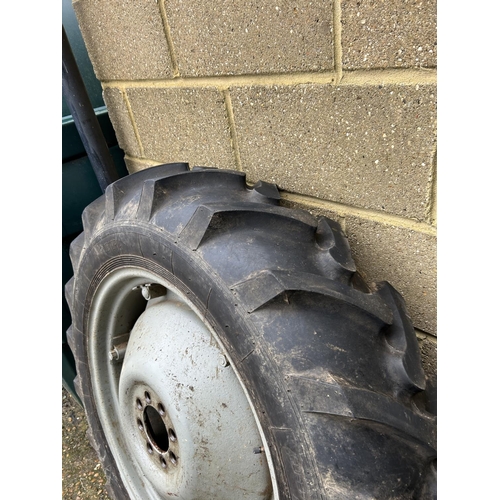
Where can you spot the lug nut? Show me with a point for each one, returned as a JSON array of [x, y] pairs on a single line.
[[117, 352]]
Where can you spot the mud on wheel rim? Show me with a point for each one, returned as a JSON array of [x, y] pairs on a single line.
[[209, 323]]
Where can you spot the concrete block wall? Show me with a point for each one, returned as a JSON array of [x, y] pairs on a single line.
[[332, 100]]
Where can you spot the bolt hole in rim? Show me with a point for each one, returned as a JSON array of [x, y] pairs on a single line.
[[152, 416]]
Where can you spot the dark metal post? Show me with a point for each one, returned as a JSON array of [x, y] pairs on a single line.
[[78, 101]]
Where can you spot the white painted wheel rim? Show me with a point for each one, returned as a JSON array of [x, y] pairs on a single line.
[[175, 414]]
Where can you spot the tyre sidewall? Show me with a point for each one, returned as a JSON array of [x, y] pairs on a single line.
[[146, 247]]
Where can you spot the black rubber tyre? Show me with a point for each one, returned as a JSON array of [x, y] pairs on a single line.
[[332, 368]]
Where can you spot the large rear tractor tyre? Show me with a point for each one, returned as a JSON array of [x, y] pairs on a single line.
[[226, 348]]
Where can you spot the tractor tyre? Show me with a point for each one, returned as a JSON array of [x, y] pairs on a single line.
[[226, 348]]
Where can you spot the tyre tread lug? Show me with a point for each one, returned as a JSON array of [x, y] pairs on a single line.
[[257, 291], [330, 236], [195, 230], [405, 361], [341, 399], [76, 249]]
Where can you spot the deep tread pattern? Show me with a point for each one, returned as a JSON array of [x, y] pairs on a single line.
[[329, 236], [71, 341], [112, 198], [341, 399], [146, 203], [92, 215], [267, 190], [405, 360], [68, 292], [203, 218], [351, 375], [76, 249], [221, 179], [267, 285], [129, 183]]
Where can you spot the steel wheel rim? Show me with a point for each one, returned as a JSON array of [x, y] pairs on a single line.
[[155, 445]]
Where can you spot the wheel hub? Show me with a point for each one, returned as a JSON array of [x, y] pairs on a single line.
[[157, 430], [174, 412]]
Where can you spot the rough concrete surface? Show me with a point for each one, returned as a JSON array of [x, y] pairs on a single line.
[[223, 37], [120, 118], [125, 39], [428, 349], [369, 146], [82, 476], [389, 34], [183, 125]]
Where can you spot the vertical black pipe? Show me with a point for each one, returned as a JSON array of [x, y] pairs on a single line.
[[78, 101]]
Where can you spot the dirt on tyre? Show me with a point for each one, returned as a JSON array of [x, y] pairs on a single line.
[[226, 348]]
